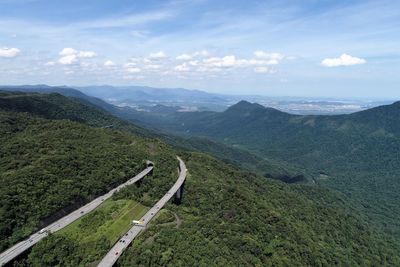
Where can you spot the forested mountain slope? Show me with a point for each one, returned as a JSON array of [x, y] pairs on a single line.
[[50, 104], [56, 106], [357, 154], [48, 167], [227, 216], [233, 218]]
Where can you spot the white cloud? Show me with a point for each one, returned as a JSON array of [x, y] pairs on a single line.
[[109, 63], [133, 70], [158, 55], [232, 62], [70, 56], [270, 56], [67, 60], [264, 58], [152, 67], [50, 63], [68, 51], [224, 62], [343, 60], [86, 54], [256, 62], [183, 67], [9, 52], [130, 65], [261, 69], [184, 57]]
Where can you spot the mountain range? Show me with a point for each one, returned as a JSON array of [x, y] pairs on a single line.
[[338, 207]]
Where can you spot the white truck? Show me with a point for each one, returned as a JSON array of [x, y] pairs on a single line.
[[139, 223]]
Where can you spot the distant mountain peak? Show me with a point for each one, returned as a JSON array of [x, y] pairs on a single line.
[[245, 106]]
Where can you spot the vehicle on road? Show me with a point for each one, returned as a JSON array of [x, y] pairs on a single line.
[[139, 223], [42, 231]]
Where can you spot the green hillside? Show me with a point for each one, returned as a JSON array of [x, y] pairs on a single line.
[[79, 107], [356, 154], [232, 218], [48, 167], [55, 106], [228, 217]]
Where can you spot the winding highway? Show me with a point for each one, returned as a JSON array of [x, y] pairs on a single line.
[[9, 254], [119, 247]]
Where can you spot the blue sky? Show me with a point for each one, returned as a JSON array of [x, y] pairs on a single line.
[[294, 48]]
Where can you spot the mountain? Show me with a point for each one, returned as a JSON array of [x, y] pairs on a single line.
[[56, 106], [233, 218], [139, 95], [356, 154], [62, 90], [51, 167], [227, 217], [95, 112]]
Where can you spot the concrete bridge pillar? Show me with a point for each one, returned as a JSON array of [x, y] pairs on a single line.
[[150, 164], [179, 195]]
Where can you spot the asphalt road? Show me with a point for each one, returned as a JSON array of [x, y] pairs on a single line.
[[119, 247], [20, 247]]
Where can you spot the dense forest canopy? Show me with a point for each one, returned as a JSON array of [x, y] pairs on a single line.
[[49, 165], [52, 159], [356, 154]]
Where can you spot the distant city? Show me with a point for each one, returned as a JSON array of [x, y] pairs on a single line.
[[187, 101]]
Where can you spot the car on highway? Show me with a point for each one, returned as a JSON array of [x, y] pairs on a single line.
[[42, 231]]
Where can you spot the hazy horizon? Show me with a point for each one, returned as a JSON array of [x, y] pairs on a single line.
[[308, 97]]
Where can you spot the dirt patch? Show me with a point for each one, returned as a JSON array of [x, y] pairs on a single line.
[[150, 239], [178, 221]]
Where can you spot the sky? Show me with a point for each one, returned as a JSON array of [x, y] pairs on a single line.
[[319, 48]]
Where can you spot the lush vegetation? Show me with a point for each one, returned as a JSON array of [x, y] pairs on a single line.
[[356, 154], [87, 239], [228, 217], [92, 111], [232, 218], [48, 168], [109, 221], [57, 107]]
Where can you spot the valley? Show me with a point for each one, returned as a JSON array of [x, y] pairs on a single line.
[[251, 218]]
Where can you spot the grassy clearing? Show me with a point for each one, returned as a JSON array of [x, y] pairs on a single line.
[[111, 220]]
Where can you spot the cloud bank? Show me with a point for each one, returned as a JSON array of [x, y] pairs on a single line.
[[343, 60], [9, 52]]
